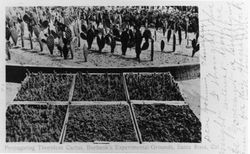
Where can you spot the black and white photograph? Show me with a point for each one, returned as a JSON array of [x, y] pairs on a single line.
[[103, 74], [153, 76]]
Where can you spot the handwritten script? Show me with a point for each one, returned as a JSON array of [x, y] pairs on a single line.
[[223, 28]]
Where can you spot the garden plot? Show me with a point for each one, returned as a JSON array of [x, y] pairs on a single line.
[[98, 87], [167, 123], [152, 86], [90, 123], [34, 123], [45, 87], [101, 107]]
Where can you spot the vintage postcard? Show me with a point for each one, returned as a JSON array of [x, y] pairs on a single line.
[[142, 76]]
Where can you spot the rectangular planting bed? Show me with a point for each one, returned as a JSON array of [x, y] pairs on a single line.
[[100, 107], [152, 86], [45, 87], [98, 87], [167, 123], [90, 123], [34, 123]]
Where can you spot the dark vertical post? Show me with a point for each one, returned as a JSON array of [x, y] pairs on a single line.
[[22, 40], [155, 35], [152, 49], [85, 53], [30, 37]]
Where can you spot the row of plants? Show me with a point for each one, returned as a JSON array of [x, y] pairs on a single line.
[[99, 87], [110, 123]]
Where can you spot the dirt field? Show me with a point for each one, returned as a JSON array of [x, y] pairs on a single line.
[[105, 59]]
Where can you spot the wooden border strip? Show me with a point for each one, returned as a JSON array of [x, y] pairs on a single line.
[[131, 111], [96, 102], [38, 103], [63, 131], [71, 91], [127, 67], [125, 88], [77, 143], [177, 103], [101, 142], [99, 103], [136, 127], [109, 73]]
